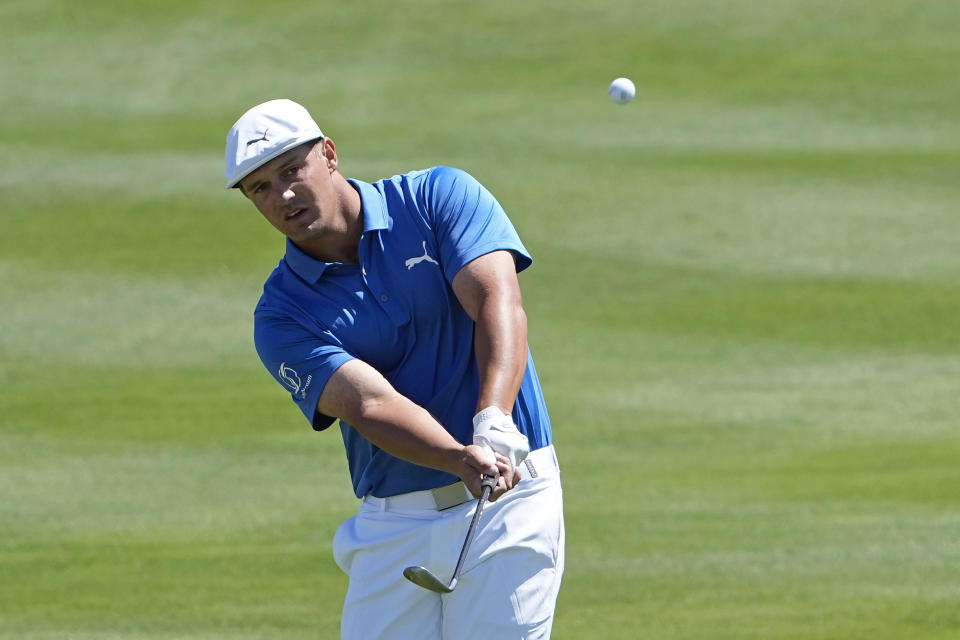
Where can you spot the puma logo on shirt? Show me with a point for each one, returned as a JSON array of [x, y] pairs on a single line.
[[411, 262]]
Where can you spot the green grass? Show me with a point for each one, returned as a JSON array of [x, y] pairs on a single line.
[[743, 305]]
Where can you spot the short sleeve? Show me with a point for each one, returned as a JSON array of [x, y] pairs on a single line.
[[301, 361], [469, 221]]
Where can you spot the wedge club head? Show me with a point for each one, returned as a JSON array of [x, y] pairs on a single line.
[[424, 578]]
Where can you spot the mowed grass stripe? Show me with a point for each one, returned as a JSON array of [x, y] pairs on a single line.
[[824, 313], [848, 314], [156, 491], [811, 569], [128, 321], [167, 589]]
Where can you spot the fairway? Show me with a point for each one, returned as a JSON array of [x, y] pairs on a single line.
[[744, 305]]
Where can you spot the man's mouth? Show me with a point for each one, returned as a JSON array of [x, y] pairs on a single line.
[[293, 214]]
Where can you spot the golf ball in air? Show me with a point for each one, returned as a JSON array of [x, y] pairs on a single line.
[[622, 90]]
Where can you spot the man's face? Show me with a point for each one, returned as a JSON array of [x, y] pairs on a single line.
[[295, 191]]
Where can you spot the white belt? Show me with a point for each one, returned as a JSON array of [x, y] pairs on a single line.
[[541, 463]]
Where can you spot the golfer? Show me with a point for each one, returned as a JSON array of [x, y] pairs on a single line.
[[397, 310]]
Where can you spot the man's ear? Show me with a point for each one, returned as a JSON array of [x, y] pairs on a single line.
[[328, 152]]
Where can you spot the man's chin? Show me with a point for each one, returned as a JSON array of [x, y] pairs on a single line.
[[304, 234], [301, 226]]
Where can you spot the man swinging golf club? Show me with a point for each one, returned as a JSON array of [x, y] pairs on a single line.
[[397, 310]]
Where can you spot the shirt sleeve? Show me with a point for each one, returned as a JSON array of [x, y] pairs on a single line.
[[301, 361], [469, 221]]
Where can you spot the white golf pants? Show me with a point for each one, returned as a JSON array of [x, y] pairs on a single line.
[[509, 583]]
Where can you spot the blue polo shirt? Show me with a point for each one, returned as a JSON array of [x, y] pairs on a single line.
[[397, 312]]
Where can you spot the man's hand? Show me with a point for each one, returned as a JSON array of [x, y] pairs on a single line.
[[480, 460], [495, 431]]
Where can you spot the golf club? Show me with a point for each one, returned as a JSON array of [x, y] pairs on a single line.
[[422, 577]]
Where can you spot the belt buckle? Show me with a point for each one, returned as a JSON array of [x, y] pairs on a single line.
[[451, 495]]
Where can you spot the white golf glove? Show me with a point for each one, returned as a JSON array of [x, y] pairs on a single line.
[[494, 429]]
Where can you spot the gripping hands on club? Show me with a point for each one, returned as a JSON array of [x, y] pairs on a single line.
[[494, 431], [479, 467]]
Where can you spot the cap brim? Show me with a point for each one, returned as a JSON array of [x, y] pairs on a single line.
[[267, 157]]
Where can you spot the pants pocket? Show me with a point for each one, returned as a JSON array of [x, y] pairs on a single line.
[[343, 546]]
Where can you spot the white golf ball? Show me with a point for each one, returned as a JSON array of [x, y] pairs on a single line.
[[622, 90]]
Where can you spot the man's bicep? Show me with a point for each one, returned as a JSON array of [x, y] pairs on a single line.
[[352, 389], [492, 274]]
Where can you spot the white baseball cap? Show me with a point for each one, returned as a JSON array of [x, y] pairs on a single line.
[[263, 133]]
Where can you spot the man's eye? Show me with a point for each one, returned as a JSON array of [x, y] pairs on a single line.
[[294, 170]]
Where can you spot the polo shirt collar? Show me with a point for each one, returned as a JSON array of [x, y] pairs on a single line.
[[375, 218]]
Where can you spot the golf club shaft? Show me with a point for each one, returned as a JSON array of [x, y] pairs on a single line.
[[488, 483]]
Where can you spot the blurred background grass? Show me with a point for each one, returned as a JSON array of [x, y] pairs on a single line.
[[743, 307]]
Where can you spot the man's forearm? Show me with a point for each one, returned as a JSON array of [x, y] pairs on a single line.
[[405, 430], [359, 394]]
